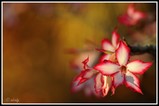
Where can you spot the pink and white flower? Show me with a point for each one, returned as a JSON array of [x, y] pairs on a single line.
[[85, 79], [110, 47], [123, 72], [132, 16], [112, 70], [102, 84], [85, 74], [82, 82]]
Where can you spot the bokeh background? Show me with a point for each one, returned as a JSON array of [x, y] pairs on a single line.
[[36, 36]]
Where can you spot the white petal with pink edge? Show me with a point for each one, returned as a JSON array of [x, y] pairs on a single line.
[[118, 79], [122, 53], [88, 74], [115, 38], [106, 45], [98, 83], [138, 66], [107, 68], [132, 82]]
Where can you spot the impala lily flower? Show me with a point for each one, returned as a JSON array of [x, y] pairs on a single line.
[[132, 16], [85, 74], [123, 72], [110, 47], [88, 85], [84, 79], [102, 83]]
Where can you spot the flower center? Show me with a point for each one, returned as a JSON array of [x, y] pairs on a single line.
[[113, 58], [123, 69]]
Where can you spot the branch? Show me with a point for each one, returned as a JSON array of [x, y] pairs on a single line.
[[135, 50]]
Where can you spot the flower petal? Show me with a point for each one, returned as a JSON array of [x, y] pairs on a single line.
[[106, 45], [131, 9], [138, 16], [138, 67], [89, 87], [125, 20], [104, 57], [113, 90], [89, 73], [122, 53], [107, 83], [132, 82], [98, 83], [85, 63], [76, 88], [79, 77], [115, 38], [107, 67], [135, 15], [84, 76], [102, 84], [118, 79]]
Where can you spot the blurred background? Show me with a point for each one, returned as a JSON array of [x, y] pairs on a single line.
[[36, 36]]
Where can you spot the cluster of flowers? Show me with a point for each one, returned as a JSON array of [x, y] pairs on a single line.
[[114, 68]]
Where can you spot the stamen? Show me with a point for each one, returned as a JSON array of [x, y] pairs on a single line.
[[123, 69]]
